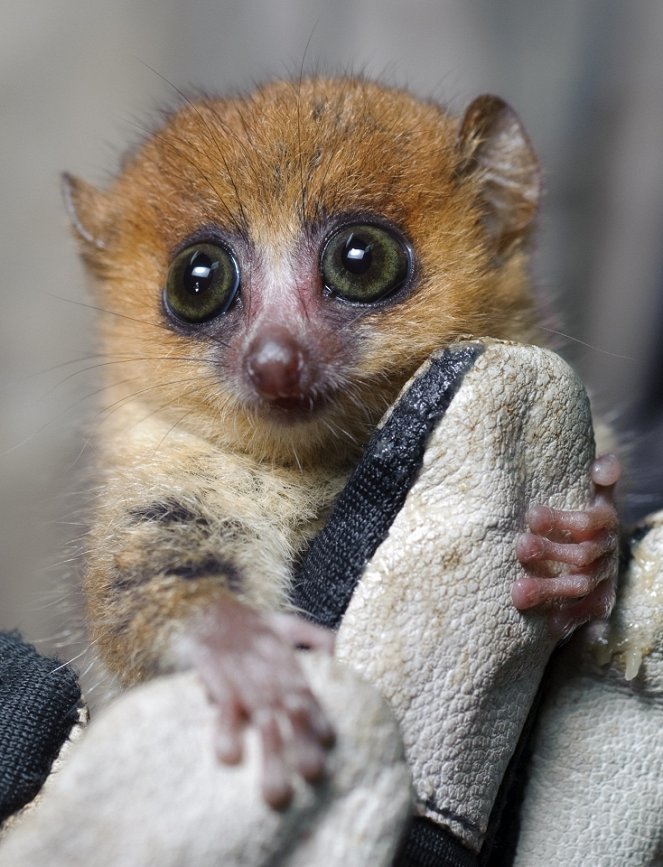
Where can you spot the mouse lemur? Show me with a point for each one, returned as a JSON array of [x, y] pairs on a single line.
[[272, 269]]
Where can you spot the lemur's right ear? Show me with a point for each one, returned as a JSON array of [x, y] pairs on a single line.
[[85, 206]]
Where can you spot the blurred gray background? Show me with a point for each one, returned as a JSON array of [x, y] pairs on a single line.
[[81, 79]]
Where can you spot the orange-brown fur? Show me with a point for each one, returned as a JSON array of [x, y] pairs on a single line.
[[273, 168]]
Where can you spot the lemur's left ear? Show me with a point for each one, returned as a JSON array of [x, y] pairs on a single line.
[[85, 208], [494, 147]]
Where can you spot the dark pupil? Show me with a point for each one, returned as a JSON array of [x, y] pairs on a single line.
[[199, 273], [357, 255]]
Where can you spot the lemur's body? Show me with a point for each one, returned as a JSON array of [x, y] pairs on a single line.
[[275, 268]]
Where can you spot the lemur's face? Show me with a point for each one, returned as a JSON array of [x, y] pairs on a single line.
[[277, 267]]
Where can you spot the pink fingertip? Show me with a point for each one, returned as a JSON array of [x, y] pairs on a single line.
[[277, 790], [523, 594], [529, 547], [228, 748], [311, 762], [277, 793], [323, 729], [307, 715], [540, 519], [606, 470]]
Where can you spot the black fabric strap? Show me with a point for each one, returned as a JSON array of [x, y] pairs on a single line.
[[39, 701], [376, 490], [428, 845]]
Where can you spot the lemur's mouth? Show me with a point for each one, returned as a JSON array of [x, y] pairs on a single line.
[[293, 408]]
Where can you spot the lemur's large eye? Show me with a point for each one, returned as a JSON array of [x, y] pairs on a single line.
[[364, 263], [202, 283]]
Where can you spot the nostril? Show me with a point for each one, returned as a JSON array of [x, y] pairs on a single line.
[[275, 365]]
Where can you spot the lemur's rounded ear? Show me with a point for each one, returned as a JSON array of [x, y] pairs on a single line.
[[85, 208], [494, 147]]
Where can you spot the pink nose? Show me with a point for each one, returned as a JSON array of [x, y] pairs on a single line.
[[275, 363]]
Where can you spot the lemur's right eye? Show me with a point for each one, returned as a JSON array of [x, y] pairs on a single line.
[[202, 283]]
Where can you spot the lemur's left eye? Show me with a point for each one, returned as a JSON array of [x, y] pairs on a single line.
[[364, 263], [202, 283]]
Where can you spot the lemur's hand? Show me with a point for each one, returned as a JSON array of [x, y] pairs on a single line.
[[586, 542], [247, 661]]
